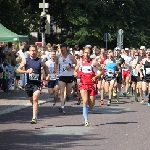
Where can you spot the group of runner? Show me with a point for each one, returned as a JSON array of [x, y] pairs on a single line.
[[106, 72]]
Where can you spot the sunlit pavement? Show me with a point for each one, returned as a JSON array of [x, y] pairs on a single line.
[[122, 126]]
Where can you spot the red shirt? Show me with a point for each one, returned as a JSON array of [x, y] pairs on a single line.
[[87, 72]]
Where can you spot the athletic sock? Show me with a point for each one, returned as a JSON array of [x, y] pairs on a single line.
[[85, 112]]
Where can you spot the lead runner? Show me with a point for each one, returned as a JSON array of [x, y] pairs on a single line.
[[88, 80]]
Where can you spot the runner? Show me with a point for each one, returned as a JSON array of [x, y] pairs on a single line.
[[134, 74], [65, 64], [88, 80], [120, 62], [125, 71], [53, 87], [32, 67], [101, 59], [146, 82], [110, 74]]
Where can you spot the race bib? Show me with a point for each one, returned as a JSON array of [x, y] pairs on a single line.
[[86, 69], [33, 76], [110, 73], [147, 70], [135, 72], [53, 77], [64, 67]]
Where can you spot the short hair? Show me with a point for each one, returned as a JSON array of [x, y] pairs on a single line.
[[63, 45], [35, 46], [90, 48]]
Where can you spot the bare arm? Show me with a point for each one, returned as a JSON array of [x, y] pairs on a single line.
[[74, 61], [56, 65], [139, 67], [21, 67], [43, 64]]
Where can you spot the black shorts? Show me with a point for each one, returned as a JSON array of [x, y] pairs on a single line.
[[52, 83], [31, 88], [109, 78], [134, 78], [66, 79], [17, 77], [146, 78], [119, 79]]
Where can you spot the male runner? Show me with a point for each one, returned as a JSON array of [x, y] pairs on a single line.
[[32, 67]]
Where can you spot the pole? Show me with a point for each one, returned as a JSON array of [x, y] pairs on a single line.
[[106, 41], [43, 34]]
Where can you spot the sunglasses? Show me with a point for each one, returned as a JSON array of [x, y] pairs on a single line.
[[136, 55]]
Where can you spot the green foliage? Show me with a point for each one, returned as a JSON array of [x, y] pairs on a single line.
[[88, 19]]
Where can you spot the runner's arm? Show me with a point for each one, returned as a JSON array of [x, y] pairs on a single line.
[[43, 64], [21, 67], [74, 61], [98, 66], [130, 66], [140, 65], [56, 64]]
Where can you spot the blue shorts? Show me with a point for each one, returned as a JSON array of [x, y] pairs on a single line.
[[52, 83]]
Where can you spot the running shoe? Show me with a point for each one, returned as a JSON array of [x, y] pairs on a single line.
[[86, 124], [136, 100], [61, 110], [148, 104], [146, 93], [124, 94], [102, 102], [33, 121], [67, 98], [108, 103], [117, 100], [54, 105], [79, 100], [142, 101]]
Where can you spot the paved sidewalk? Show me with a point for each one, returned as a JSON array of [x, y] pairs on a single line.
[[16, 100]]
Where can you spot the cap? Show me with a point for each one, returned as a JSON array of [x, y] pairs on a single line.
[[126, 49], [88, 46], [142, 47], [117, 48], [76, 53]]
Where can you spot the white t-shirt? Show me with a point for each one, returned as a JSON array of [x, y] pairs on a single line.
[[127, 59], [50, 65]]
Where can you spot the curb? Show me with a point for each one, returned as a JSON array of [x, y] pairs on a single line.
[[16, 108]]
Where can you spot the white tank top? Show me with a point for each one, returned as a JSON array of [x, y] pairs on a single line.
[[62, 64], [135, 69], [50, 65]]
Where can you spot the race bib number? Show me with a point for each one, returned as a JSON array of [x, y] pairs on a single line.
[[86, 69], [33, 76], [110, 73], [53, 77], [63, 67], [135, 72], [147, 70]]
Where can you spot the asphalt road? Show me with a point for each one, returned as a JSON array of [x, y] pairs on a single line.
[[122, 126]]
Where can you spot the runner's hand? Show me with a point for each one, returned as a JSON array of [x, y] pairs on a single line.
[[30, 70], [141, 76], [94, 79], [48, 78], [68, 68]]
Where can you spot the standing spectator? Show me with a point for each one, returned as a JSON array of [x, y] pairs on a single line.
[[18, 60]]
